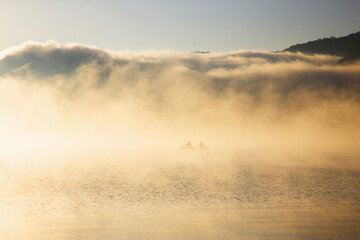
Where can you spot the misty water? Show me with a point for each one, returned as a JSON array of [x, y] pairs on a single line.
[[90, 145], [183, 194]]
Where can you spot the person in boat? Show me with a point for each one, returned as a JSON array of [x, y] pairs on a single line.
[[188, 145], [201, 145]]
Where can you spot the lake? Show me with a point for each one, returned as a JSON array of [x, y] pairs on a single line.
[[248, 194]]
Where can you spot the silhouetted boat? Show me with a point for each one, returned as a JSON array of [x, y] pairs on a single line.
[[188, 146]]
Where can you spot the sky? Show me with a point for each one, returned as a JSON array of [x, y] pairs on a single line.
[[196, 25]]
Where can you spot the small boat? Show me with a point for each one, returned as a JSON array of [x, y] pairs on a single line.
[[188, 146]]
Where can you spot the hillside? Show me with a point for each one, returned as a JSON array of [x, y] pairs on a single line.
[[347, 47]]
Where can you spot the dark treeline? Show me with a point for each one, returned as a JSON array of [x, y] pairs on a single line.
[[347, 47]]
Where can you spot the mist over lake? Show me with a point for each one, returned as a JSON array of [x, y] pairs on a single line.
[[97, 144]]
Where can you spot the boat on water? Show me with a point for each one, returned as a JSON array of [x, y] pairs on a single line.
[[188, 146]]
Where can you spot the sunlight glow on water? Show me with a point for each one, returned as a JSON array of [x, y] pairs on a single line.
[[187, 196]]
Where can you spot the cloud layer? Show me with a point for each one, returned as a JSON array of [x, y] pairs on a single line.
[[239, 97]]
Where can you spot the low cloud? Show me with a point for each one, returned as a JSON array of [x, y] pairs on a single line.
[[146, 98]]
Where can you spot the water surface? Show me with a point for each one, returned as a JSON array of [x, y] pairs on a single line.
[[184, 195]]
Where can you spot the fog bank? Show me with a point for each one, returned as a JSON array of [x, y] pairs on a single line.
[[76, 98]]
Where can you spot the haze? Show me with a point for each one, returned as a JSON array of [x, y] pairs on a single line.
[[75, 96]]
